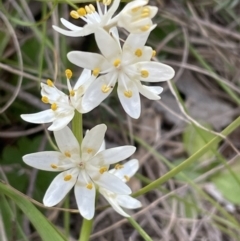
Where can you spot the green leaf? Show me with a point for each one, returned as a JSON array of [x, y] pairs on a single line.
[[44, 228]]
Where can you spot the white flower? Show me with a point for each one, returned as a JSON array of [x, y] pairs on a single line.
[[62, 106], [84, 167], [129, 66], [124, 172], [94, 19], [136, 17]]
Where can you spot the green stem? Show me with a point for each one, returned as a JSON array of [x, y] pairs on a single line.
[[189, 161], [66, 216], [144, 235], [86, 230]]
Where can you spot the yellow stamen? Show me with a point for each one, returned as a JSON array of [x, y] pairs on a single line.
[[117, 62], [138, 52], [89, 186], [96, 71], [103, 169], [67, 178], [127, 178], [154, 53], [105, 88], [146, 10], [135, 9], [45, 99], [74, 14], [54, 106], [68, 73], [50, 83], [89, 150], [118, 166], [82, 12], [92, 8], [128, 93], [144, 73], [67, 154], [107, 2], [72, 93], [145, 15], [88, 9], [145, 28], [53, 166]]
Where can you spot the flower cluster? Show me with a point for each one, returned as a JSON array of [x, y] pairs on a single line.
[[127, 64]]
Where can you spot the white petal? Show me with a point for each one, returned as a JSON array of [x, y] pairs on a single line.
[[45, 116], [85, 76], [45, 160], [135, 4], [53, 94], [61, 122], [112, 183], [111, 10], [113, 202], [131, 105], [88, 60], [150, 92], [93, 139], [85, 197], [129, 169], [59, 188], [66, 141], [114, 32], [108, 45], [113, 155], [94, 94], [69, 25], [128, 202], [157, 71]]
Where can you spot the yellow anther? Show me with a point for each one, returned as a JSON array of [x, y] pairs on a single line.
[[45, 99], [67, 154], [74, 14], [89, 150], [88, 9], [92, 8], [82, 12], [89, 186], [145, 28], [146, 10], [117, 62], [138, 52], [68, 73], [50, 83], [107, 2], [154, 53], [67, 178], [127, 178], [54, 106], [96, 71], [53, 166], [103, 169], [135, 9], [72, 93], [145, 15], [118, 166], [144, 73], [105, 88], [128, 93]]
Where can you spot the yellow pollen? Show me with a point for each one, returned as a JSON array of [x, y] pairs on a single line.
[[145, 28], [105, 88], [107, 2], [45, 99], [128, 93], [144, 73], [68, 73], [103, 169], [67, 178], [118, 166], [50, 83], [89, 150], [67, 154], [96, 71], [92, 8], [89, 186], [138, 52], [54, 106], [117, 62], [127, 178], [82, 12], [72, 93], [146, 10], [154, 53], [74, 14], [88, 9], [135, 9], [145, 15], [53, 166]]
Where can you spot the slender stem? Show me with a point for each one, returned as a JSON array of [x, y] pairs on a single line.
[[86, 230], [66, 217], [139, 229]]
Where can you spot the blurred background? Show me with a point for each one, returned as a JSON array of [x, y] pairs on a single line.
[[201, 41]]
